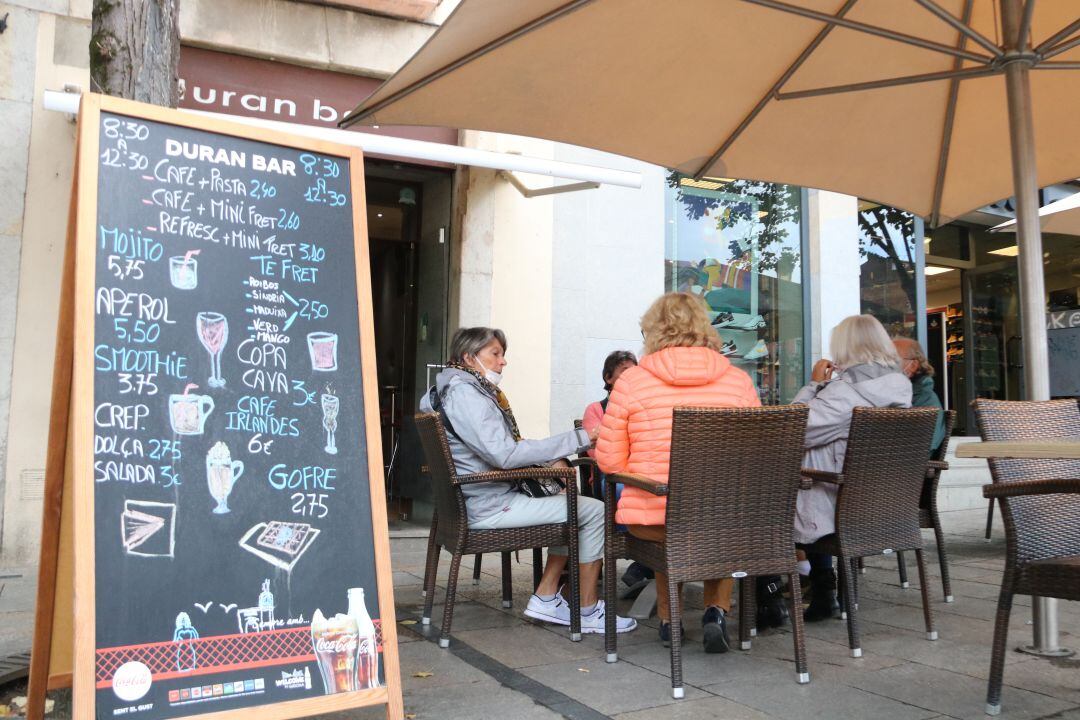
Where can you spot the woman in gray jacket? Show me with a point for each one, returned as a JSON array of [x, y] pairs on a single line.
[[483, 436], [864, 372]]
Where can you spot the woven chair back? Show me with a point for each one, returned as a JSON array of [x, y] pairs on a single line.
[[877, 508], [449, 503], [1045, 525], [733, 480], [943, 450]]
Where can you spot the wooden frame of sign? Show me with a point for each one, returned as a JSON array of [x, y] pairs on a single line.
[[67, 561]]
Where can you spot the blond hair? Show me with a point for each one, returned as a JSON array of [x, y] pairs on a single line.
[[861, 340], [678, 320]]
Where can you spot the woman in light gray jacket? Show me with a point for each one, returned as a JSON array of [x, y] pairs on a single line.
[[864, 372], [483, 436]]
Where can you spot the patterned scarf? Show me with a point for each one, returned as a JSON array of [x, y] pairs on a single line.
[[493, 390]]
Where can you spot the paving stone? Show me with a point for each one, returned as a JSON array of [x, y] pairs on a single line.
[[475, 616], [953, 694], [700, 668], [1059, 678], [816, 700], [532, 645], [610, 688]]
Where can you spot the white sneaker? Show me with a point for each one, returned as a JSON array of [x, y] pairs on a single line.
[[556, 610], [594, 621], [759, 350]]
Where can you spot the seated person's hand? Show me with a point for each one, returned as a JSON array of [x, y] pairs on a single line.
[[593, 434], [823, 370]]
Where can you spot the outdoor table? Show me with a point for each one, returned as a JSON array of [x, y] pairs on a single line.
[[1044, 614]]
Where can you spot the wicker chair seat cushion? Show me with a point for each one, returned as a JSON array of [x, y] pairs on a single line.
[[486, 541], [1054, 577]]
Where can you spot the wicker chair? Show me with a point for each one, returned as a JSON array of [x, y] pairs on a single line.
[[730, 510], [877, 507], [1040, 507], [928, 510], [1009, 422], [452, 529]]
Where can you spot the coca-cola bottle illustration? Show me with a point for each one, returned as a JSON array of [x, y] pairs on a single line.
[[367, 651], [335, 642]]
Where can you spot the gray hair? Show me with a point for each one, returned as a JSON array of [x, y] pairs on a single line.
[[470, 341], [861, 340]]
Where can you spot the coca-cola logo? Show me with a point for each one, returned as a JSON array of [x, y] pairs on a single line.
[[131, 681], [341, 643]]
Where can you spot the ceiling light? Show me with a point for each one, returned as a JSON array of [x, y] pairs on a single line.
[[378, 214], [936, 270], [1011, 251]]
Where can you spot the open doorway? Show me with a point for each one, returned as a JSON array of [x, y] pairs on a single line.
[[408, 216]]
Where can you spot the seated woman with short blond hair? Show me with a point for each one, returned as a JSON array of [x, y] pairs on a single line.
[[682, 366]]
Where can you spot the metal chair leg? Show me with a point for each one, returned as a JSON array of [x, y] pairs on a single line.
[[849, 595], [430, 549], [476, 569], [901, 565], [997, 654], [928, 614], [451, 592], [802, 673], [611, 646], [538, 566], [434, 550], [507, 582], [943, 559], [747, 616], [672, 589], [989, 519]]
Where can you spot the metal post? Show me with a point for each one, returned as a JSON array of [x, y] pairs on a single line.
[[1018, 62]]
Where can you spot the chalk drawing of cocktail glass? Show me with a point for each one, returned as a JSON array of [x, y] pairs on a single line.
[[330, 405], [213, 330], [322, 346], [222, 472], [184, 271], [188, 411]]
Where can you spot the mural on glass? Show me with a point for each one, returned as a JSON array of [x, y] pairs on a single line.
[[737, 245]]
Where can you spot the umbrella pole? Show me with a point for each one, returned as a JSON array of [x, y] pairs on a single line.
[[1019, 60]]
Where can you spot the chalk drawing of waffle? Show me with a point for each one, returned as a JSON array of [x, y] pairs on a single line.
[[148, 529], [279, 543]]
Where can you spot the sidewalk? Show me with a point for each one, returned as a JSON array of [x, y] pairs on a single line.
[[501, 666]]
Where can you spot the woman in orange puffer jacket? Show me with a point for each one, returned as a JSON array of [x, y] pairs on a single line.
[[682, 367]]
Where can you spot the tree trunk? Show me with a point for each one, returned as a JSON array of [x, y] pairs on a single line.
[[135, 50]]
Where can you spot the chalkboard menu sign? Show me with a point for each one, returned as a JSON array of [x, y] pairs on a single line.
[[234, 522]]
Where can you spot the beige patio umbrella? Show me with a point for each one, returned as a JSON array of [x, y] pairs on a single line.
[[934, 106]]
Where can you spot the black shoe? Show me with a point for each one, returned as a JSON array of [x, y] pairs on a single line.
[[634, 580], [772, 611], [665, 633], [823, 604], [715, 626]]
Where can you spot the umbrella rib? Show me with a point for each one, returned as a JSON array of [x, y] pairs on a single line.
[[1058, 65], [1025, 26], [962, 26], [469, 57], [965, 74], [1064, 33], [873, 30], [947, 130], [1063, 47], [761, 103]]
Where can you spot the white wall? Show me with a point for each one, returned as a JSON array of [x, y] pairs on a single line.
[[608, 266]]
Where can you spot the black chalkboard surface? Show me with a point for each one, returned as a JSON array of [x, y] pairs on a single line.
[[236, 560]]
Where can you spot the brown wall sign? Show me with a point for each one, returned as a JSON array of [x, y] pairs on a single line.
[[238, 85]]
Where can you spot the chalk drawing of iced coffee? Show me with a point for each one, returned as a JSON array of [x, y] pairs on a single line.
[[322, 346]]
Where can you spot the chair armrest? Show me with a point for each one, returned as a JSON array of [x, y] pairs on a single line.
[[822, 476], [579, 462], [528, 473], [1031, 487], [638, 481]]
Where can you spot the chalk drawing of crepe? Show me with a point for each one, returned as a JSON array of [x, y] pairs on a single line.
[[148, 529], [279, 543]]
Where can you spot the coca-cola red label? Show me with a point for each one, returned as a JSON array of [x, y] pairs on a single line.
[[341, 643]]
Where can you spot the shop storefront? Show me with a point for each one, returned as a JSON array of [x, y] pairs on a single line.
[[738, 244]]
